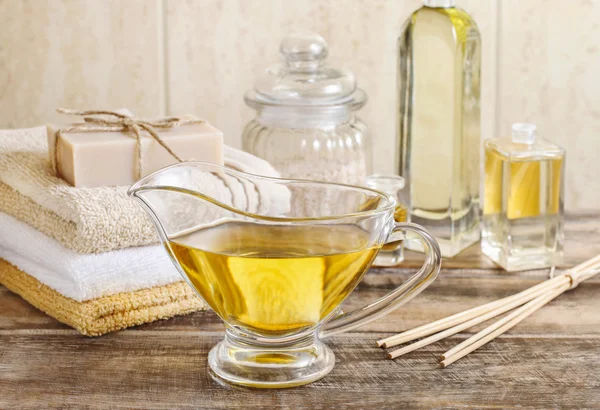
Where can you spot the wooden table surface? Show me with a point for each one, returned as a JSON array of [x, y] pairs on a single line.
[[551, 360]]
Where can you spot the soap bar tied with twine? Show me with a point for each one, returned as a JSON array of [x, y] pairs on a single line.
[[112, 121]]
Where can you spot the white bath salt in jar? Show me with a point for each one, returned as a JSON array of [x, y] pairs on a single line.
[[305, 124]]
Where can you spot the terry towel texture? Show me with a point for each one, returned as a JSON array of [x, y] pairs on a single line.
[[83, 276], [106, 314], [93, 220]]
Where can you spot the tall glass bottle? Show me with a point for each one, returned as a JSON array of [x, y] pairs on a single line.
[[439, 64]]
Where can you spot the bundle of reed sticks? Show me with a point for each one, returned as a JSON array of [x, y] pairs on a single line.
[[525, 303]]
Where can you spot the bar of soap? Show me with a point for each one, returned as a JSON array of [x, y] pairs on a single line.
[[93, 159]]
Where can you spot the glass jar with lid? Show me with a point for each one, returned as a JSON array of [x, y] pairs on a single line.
[[305, 124]]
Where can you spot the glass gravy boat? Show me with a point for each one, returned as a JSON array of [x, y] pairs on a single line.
[[275, 258]]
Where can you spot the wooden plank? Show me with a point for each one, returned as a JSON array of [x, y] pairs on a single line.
[[16, 313], [138, 370], [575, 312]]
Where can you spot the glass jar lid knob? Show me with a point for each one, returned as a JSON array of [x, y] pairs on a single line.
[[304, 51], [304, 79]]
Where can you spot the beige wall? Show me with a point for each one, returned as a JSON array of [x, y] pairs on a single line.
[[541, 63]]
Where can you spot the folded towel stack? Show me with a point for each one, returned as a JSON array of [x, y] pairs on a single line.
[[87, 256]]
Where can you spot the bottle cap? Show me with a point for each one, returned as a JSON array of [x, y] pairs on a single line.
[[524, 133]]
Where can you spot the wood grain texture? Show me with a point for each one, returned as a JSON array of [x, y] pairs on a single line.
[[79, 54], [217, 49], [139, 370], [548, 66], [550, 360]]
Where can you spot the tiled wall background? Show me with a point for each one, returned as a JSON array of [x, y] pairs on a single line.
[[157, 57]]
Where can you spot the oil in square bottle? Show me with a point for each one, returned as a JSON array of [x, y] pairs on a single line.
[[523, 201]]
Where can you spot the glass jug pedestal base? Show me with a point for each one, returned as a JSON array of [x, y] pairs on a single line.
[[265, 366]]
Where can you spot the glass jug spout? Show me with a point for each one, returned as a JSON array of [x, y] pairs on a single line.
[[192, 195]]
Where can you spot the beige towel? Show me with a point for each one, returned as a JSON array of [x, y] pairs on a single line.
[[86, 220], [106, 314], [21, 207]]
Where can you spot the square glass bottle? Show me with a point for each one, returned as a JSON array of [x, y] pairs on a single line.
[[523, 201], [391, 254]]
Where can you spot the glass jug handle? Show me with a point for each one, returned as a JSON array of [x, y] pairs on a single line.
[[405, 292]]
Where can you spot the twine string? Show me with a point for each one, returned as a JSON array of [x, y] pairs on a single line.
[[112, 121]]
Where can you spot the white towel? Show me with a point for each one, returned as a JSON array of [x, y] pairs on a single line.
[[79, 276]]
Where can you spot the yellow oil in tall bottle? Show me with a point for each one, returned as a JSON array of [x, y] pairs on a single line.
[[273, 279], [522, 205], [439, 122]]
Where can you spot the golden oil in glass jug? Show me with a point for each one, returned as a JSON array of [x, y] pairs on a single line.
[[273, 279], [523, 201], [439, 59]]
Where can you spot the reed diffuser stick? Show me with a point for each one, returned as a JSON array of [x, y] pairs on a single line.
[[529, 300], [501, 326], [470, 323], [466, 315]]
